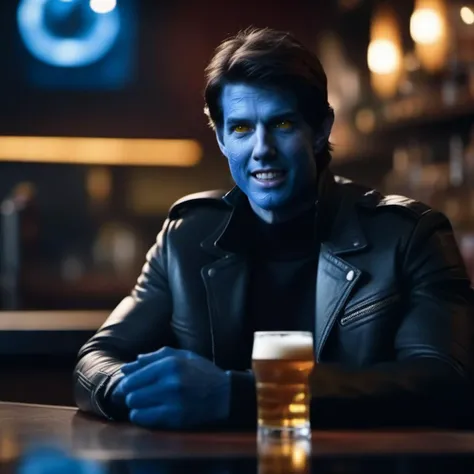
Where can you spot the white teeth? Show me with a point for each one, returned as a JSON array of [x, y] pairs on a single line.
[[269, 175]]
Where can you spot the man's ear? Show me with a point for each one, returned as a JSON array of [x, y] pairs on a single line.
[[322, 137], [220, 141]]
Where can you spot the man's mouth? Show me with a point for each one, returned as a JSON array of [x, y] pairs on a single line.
[[269, 175], [269, 178]]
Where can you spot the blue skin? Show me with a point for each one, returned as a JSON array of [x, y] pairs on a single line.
[[173, 389], [262, 129]]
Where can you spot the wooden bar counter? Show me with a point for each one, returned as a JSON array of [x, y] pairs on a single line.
[[122, 447]]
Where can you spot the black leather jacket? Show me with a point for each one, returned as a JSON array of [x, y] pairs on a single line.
[[394, 328]]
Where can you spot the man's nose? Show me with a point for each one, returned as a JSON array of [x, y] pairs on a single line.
[[264, 148]]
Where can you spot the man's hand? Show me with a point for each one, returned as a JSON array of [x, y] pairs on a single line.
[[174, 389]]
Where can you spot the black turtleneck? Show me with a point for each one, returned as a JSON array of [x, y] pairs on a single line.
[[282, 288]]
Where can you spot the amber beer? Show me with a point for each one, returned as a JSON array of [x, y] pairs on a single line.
[[282, 362]]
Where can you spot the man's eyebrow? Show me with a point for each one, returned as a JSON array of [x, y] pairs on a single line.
[[237, 119], [284, 115], [290, 114]]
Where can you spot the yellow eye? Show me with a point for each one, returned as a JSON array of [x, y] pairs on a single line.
[[241, 129], [284, 124]]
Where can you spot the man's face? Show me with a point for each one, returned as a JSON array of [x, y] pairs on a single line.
[[268, 144]]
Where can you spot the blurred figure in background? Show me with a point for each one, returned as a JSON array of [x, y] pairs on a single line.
[[378, 279]]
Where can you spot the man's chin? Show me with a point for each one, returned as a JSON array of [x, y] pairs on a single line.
[[269, 203]]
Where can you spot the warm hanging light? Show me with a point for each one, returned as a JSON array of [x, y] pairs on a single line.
[[467, 15], [426, 26], [384, 55], [429, 30]]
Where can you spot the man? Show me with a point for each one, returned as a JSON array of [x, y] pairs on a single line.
[[379, 280]]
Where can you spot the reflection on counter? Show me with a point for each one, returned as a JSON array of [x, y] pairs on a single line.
[[53, 460], [282, 456]]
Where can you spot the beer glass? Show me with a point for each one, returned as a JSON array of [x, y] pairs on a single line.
[[282, 362]]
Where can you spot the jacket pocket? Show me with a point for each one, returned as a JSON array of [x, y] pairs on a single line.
[[366, 309]]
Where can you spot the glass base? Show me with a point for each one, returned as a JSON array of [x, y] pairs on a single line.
[[283, 433]]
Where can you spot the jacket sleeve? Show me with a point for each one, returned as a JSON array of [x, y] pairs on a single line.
[[139, 324], [430, 382]]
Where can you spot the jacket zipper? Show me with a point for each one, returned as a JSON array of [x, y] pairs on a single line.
[[364, 310]]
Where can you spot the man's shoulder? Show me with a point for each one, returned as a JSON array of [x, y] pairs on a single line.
[[204, 200], [370, 198], [403, 204]]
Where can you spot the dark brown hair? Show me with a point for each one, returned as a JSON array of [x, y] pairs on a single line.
[[269, 57]]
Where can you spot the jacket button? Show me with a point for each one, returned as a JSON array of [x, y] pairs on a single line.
[[350, 275], [211, 272]]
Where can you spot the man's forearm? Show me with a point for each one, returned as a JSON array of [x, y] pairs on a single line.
[[95, 376]]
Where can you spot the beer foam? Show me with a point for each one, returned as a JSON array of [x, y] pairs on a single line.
[[289, 347]]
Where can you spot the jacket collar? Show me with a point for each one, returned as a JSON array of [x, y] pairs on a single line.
[[336, 219]]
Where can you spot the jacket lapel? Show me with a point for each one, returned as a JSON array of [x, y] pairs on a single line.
[[226, 281], [335, 282], [341, 235], [226, 287]]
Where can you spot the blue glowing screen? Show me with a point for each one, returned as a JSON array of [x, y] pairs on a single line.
[[74, 44]]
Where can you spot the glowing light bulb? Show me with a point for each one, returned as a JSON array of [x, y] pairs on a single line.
[[383, 57], [467, 15], [426, 26], [102, 6]]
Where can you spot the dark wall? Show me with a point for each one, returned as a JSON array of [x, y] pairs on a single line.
[[172, 45]]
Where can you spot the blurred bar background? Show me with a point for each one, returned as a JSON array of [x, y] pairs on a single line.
[[102, 129]]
